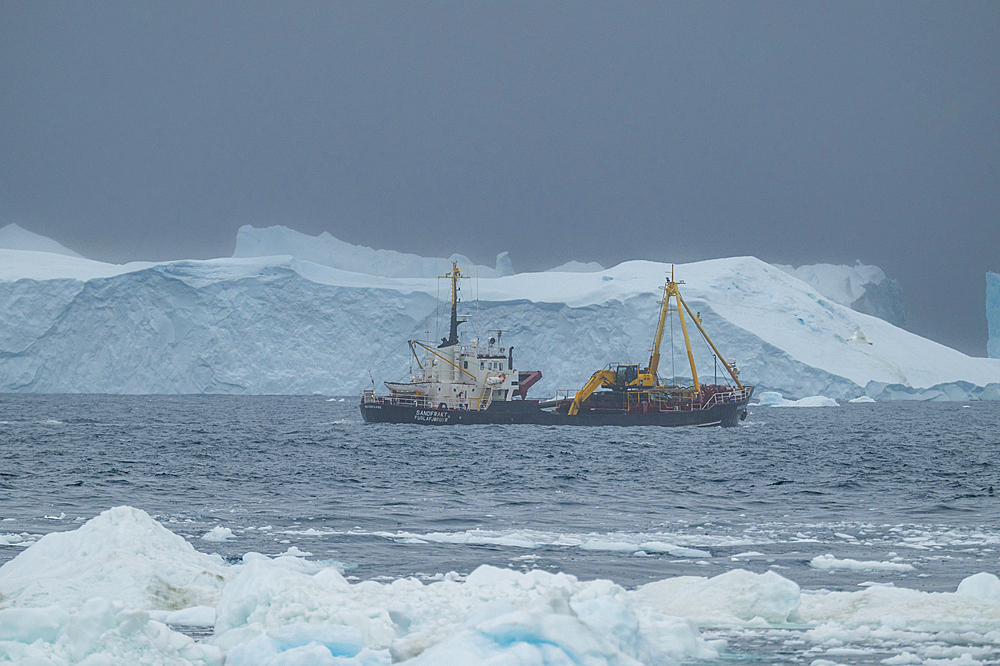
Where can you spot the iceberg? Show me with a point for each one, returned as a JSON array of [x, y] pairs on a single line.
[[14, 237], [862, 288], [326, 250], [993, 314], [290, 324], [775, 399]]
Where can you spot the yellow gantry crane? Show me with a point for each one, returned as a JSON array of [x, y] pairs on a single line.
[[626, 377]]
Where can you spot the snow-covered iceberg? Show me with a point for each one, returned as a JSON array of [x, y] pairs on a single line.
[[993, 314], [283, 324], [859, 287]]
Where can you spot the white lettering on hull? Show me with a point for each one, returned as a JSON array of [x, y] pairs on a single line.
[[431, 416]]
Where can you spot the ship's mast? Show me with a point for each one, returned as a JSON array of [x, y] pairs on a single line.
[[454, 276]]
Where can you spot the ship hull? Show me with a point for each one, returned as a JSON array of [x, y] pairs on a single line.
[[527, 412]]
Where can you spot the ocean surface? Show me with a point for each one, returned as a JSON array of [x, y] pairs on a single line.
[[911, 489]]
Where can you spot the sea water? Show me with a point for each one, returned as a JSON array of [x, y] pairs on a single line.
[[834, 499]]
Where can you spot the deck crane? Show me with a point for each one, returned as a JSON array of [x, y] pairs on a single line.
[[629, 378]]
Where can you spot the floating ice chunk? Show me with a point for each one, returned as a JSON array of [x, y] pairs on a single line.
[[813, 401], [671, 549], [16, 540], [218, 534], [828, 561], [861, 398], [847, 616], [293, 551], [614, 546], [122, 554], [733, 598], [775, 399], [469, 537], [980, 586]]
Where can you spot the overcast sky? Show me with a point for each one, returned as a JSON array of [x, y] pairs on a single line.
[[795, 132]]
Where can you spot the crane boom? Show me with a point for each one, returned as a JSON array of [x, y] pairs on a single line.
[[654, 356]]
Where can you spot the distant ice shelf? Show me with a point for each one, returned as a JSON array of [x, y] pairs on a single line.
[[283, 324]]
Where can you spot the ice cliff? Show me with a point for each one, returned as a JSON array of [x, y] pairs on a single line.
[[285, 324], [993, 314], [862, 288]]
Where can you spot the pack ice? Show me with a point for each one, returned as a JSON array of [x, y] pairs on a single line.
[[116, 589], [301, 315]]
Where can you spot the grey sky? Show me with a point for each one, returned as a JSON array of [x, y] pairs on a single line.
[[795, 132]]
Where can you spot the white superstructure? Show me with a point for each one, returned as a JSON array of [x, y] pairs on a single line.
[[457, 376]]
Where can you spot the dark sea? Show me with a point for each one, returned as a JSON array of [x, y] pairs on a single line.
[[841, 498], [909, 483]]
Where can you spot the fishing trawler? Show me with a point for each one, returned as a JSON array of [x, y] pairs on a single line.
[[478, 383]]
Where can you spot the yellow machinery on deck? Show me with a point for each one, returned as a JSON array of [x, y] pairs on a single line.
[[628, 377]]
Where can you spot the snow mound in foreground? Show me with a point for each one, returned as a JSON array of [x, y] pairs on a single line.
[[289, 610], [122, 555]]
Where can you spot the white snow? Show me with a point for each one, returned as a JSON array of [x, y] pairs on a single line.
[[110, 591], [861, 399], [280, 324]]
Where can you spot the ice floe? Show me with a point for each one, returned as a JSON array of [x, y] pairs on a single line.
[[114, 590]]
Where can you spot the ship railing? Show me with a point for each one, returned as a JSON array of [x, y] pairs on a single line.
[[425, 402], [722, 397]]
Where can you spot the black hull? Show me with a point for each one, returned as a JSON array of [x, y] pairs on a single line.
[[527, 412]]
